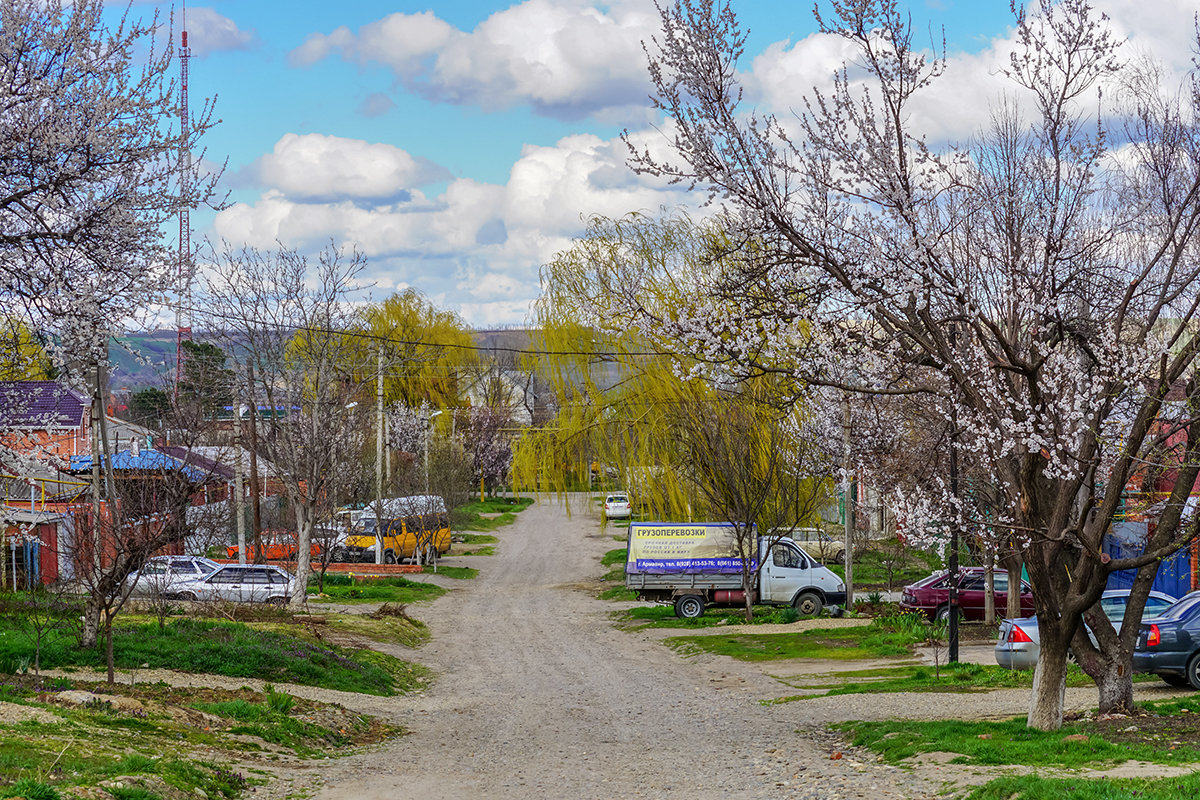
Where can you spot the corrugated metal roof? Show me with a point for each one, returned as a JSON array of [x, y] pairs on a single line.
[[146, 460]]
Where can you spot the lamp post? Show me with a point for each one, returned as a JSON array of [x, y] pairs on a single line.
[[428, 429]]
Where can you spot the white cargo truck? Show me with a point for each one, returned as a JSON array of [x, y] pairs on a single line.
[[693, 565]]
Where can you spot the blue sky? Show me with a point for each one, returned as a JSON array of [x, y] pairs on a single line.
[[460, 144]]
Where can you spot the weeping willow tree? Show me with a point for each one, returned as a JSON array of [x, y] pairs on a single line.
[[424, 352], [687, 438]]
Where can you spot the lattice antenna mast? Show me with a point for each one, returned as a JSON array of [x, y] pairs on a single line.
[[183, 324]]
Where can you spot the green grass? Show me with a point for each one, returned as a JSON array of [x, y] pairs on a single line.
[[1034, 787], [868, 641], [960, 677], [457, 573], [219, 648], [345, 589], [506, 507], [1010, 742], [260, 720], [152, 751], [664, 617], [478, 538]]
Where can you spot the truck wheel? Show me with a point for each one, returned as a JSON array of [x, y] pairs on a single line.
[[689, 606], [389, 557], [807, 604]]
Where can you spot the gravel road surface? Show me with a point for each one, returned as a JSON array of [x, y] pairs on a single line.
[[538, 696]]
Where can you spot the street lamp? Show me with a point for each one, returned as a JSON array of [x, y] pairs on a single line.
[[428, 428]]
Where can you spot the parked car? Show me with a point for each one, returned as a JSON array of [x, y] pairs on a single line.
[[820, 545], [169, 576], [243, 583], [1169, 646], [275, 545], [1020, 640], [616, 506], [931, 595]]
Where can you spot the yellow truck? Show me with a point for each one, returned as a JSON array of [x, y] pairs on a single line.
[[419, 523]]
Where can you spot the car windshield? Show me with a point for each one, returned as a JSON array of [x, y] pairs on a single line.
[[1182, 608]]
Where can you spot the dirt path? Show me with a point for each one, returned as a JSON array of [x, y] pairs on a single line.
[[539, 697]]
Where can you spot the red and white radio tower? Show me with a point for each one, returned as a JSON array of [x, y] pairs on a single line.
[[182, 311]]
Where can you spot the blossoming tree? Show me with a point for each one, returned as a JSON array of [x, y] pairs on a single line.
[[1036, 287]]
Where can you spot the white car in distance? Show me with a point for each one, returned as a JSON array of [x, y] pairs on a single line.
[[616, 506]]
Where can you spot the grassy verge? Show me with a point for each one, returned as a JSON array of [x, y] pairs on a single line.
[[477, 544], [960, 677], [664, 617], [1011, 742], [346, 589], [880, 639], [470, 517], [146, 748], [223, 648], [1163, 732], [615, 577], [1034, 787], [457, 573]]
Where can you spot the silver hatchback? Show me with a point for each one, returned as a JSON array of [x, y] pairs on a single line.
[[244, 583]]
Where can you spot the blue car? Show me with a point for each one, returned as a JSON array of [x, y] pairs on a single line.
[[1169, 646]]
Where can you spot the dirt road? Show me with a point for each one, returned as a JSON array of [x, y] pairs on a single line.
[[538, 696]]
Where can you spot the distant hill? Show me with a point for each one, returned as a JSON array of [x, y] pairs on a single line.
[[147, 360]]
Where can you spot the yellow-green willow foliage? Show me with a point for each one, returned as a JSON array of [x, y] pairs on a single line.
[[426, 352], [22, 357], [628, 407]]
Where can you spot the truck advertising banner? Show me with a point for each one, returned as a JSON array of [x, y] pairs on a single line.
[[662, 548]]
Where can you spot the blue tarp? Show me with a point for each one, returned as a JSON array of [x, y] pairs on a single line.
[[1127, 539]]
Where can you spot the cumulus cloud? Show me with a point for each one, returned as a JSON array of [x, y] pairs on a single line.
[[314, 167], [567, 60], [210, 32], [480, 243]]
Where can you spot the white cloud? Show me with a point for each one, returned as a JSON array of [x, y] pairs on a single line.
[[564, 59], [209, 32], [480, 243], [315, 167]]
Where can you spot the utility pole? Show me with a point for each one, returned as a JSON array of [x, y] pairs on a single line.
[[254, 484], [952, 634], [239, 490], [379, 455], [851, 505]]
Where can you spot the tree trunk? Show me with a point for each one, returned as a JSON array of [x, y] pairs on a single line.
[[989, 588], [108, 650], [1012, 563], [304, 527], [91, 623], [1049, 686], [1115, 686]]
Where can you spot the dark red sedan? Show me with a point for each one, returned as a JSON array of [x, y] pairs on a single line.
[[931, 596]]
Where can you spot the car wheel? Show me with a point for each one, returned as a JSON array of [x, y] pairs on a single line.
[[389, 557], [689, 606], [807, 604], [190, 596], [840, 558], [943, 613], [1193, 671], [1178, 681], [276, 601]]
